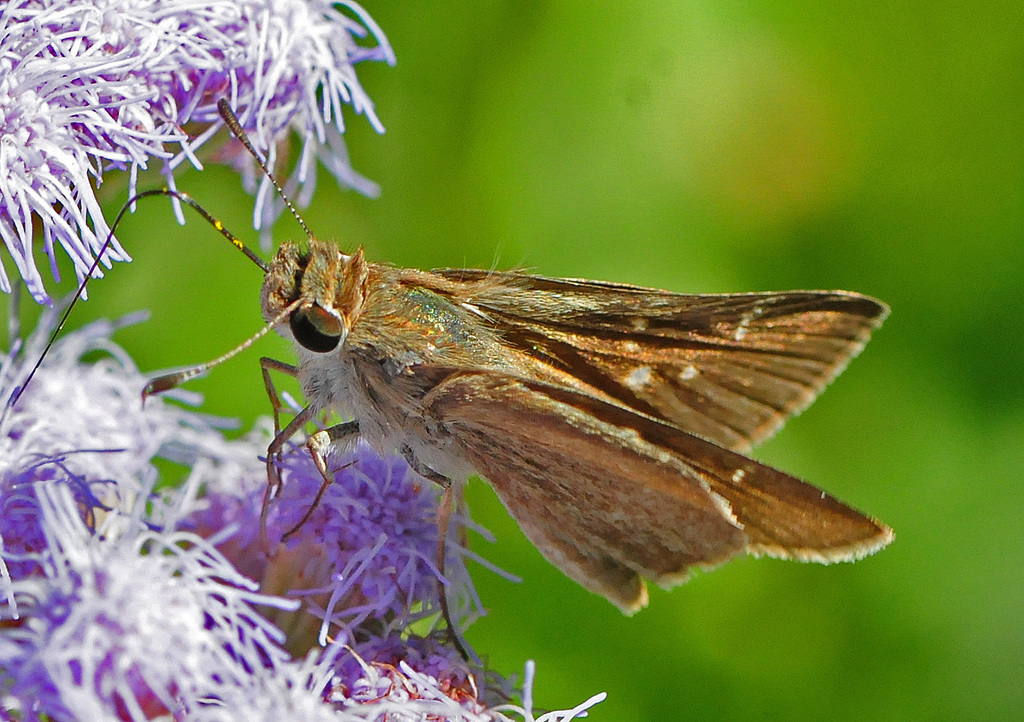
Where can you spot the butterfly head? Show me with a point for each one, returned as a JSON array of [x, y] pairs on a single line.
[[327, 288]]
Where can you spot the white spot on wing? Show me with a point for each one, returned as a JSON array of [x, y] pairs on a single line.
[[737, 476], [689, 372], [745, 319], [638, 378]]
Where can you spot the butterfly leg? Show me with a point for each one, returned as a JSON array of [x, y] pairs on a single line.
[[274, 453], [273, 477], [319, 445], [268, 365], [444, 513]]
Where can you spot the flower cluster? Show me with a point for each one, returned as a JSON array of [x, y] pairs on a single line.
[[128, 594], [86, 87]]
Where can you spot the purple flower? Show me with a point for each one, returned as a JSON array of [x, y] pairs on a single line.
[[135, 624], [359, 680], [364, 562], [109, 612], [90, 86], [119, 601], [84, 426], [396, 690]]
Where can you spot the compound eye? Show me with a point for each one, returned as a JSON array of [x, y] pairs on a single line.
[[316, 329]]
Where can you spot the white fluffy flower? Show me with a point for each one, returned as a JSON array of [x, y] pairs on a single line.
[[92, 85]]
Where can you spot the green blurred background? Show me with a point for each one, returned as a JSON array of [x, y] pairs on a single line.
[[708, 147]]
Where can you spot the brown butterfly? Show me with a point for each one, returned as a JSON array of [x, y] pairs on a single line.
[[611, 419]]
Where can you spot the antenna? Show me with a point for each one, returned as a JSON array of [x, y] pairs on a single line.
[[177, 378], [182, 197], [232, 122], [208, 217], [169, 381]]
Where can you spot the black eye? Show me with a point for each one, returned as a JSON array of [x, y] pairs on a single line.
[[315, 329]]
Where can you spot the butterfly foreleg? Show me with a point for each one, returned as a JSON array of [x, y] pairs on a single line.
[[268, 365], [319, 446]]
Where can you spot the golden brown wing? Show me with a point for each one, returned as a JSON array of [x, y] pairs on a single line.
[[730, 368], [610, 497]]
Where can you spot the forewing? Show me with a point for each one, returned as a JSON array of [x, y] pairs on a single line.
[[610, 496], [729, 368]]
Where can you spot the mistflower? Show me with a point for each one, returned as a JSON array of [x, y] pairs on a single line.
[[135, 625], [88, 86], [365, 557], [84, 424], [126, 597]]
